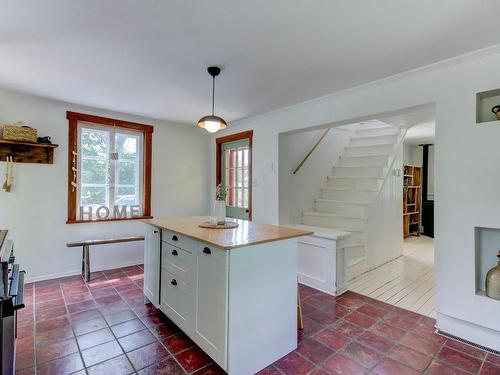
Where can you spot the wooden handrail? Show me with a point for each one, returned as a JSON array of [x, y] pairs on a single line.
[[311, 151]]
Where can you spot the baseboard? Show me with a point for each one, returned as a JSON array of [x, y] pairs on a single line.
[[29, 279], [321, 286], [470, 332]]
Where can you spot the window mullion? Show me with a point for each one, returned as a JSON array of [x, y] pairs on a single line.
[[111, 170]]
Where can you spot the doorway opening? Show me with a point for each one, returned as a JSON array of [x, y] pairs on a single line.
[[408, 281], [234, 171]]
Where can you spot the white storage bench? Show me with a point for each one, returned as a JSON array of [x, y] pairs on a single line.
[[323, 259]]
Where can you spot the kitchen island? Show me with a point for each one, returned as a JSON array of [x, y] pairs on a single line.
[[232, 291]]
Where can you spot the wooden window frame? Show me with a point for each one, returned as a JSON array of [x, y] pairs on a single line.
[[147, 130], [218, 160]]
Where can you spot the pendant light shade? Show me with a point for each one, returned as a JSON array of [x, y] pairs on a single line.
[[212, 123]]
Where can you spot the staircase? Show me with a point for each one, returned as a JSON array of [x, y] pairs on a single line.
[[352, 189]]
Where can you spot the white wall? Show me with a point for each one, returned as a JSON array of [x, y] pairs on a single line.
[[461, 147], [35, 211], [297, 192]]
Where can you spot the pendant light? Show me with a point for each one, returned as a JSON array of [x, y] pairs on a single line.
[[212, 123]]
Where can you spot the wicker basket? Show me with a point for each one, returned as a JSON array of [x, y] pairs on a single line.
[[19, 132]]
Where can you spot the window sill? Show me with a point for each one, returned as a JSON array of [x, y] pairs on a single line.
[[107, 220]]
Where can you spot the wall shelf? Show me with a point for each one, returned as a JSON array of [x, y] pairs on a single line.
[[25, 152], [484, 102], [487, 242]]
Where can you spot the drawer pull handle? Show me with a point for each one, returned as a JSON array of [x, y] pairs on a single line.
[[174, 238], [174, 252], [207, 251], [173, 282], [155, 231]]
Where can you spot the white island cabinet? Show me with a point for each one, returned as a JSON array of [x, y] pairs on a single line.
[[232, 291]]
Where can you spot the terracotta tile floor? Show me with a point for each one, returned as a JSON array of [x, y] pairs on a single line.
[[103, 327]]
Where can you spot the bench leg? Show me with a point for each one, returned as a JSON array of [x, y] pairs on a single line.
[[86, 263], [83, 261]]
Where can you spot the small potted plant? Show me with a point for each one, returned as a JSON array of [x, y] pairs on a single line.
[[219, 210]]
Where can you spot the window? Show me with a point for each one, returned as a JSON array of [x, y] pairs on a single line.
[[109, 169], [234, 171]]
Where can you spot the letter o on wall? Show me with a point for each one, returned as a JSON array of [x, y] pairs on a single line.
[[99, 210]]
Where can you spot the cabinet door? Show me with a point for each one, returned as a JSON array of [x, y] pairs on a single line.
[[177, 300], [211, 303], [152, 265]]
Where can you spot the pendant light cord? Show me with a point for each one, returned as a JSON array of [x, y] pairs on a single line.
[[213, 94]]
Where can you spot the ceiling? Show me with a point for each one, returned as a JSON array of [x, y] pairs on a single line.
[[421, 133], [149, 57]]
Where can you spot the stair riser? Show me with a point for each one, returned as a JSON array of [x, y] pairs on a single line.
[[353, 183], [372, 141], [347, 195], [360, 171], [334, 222], [356, 269], [357, 237], [354, 252], [364, 161], [347, 209], [377, 131], [369, 150]]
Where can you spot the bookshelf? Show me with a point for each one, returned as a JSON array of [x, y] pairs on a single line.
[[411, 200]]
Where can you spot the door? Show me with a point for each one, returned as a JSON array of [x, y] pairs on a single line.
[[152, 265], [235, 175]]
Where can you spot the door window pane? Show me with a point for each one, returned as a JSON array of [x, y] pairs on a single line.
[[236, 176]]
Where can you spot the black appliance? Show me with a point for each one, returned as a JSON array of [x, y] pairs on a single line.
[[11, 300]]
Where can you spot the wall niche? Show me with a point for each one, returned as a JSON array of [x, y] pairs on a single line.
[[485, 101], [487, 244]]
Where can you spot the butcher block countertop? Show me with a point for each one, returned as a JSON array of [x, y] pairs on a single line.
[[247, 233]]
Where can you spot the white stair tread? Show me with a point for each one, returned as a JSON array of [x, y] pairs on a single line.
[[368, 146], [354, 261], [347, 189], [354, 244], [358, 136], [340, 201], [365, 156], [357, 166], [322, 232], [368, 177], [327, 214]]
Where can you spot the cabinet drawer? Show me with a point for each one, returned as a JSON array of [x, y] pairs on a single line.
[[191, 245], [176, 239], [177, 300], [178, 262]]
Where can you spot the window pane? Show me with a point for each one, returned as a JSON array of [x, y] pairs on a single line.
[[93, 196], [239, 177], [126, 196], [95, 143], [126, 173], [245, 177], [126, 146], [238, 198], [245, 198], [94, 171]]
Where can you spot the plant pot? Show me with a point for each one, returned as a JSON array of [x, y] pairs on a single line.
[[218, 213]]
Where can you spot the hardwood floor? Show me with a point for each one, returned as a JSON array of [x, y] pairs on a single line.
[[406, 282]]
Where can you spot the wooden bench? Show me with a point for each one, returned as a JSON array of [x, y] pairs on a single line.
[[86, 250]]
